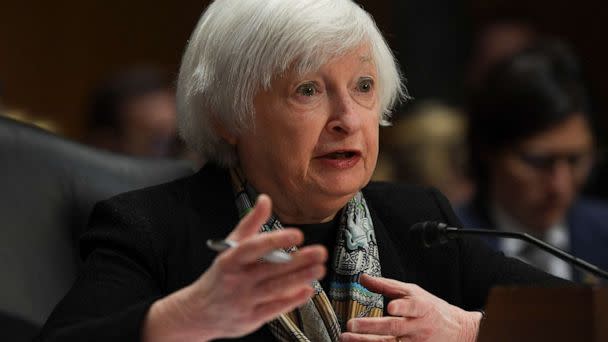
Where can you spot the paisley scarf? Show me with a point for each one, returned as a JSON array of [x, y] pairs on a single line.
[[324, 316]]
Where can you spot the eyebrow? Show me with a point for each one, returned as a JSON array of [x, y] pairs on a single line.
[[365, 59]]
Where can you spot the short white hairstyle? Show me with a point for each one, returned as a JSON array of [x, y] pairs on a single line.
[[239, 46]]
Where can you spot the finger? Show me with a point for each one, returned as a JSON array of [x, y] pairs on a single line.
[[408, 306], [250, 224], [388, 287], [391, 326], [354, 337], [255, 247], [270, 310], [305, 257]]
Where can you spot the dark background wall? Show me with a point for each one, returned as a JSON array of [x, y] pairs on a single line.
[[52, 52], [582, 24]]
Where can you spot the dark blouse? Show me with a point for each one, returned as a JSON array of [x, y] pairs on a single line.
[[322, 234]]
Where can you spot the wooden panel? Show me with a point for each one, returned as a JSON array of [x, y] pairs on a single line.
[[52, 52], [545, 314]]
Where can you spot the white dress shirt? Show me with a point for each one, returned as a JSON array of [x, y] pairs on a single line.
[[557, 235]]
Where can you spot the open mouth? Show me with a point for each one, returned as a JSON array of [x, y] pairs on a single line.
[[341, 155], [341, 159]]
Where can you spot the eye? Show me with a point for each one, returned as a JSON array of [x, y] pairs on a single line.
[[538, 161], [365, 85], [307, 89]]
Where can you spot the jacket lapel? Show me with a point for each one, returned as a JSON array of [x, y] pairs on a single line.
[[390, 258]]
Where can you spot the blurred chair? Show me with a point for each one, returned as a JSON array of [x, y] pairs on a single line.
[[48, 188]]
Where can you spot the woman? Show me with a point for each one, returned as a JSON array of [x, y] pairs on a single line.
[[532, 149], [283, 98]]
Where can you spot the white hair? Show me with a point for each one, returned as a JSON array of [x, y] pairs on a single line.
[[239, 46]]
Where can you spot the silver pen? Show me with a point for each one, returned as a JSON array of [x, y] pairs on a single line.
[[276, 256]]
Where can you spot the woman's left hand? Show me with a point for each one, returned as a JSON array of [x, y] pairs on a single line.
[[415, 315]]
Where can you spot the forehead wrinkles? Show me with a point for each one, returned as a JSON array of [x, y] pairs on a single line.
[[312, 62], [299, 69]]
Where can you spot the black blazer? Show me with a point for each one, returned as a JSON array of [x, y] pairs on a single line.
[[145, 244]]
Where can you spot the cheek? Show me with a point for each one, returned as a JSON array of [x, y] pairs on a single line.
[[373, 144], [512, 183], [292, 148], [372, 136], [524, 190]]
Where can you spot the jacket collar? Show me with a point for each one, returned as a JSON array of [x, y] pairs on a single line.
[[390, 258]]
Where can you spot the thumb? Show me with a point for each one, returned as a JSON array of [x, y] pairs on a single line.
[[388, 287]]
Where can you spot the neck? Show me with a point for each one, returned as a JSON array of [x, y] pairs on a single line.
[[306, 208], [297, 215], [506, 221]]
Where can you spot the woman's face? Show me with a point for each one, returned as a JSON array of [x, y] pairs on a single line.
[[537, 180], [314, 141]]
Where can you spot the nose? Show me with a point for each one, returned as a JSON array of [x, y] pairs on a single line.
[[344, 119], [561, 179]]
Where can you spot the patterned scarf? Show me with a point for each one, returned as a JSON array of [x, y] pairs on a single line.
[[356, 252]]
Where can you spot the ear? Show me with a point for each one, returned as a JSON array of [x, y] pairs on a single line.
[[224, 133]]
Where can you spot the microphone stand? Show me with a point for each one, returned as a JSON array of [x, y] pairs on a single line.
[[452, 232]]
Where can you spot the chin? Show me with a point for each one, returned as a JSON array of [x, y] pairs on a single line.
[[343, 188], [547, 221], [342, 184]]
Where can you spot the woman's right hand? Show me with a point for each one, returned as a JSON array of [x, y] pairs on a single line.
[[238, 293]]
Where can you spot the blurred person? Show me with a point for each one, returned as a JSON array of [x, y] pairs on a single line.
[[426, 146], [284, 98], [531, 151], [133, 112]]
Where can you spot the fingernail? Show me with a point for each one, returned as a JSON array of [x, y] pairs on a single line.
[[294, 238], [324, 255]]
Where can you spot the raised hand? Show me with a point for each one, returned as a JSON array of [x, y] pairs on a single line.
[[238, 293]]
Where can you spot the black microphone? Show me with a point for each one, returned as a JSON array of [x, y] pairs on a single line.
[[431, 233]]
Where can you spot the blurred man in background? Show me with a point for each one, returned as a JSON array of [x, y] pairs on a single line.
[[531, 149], [133, 112]]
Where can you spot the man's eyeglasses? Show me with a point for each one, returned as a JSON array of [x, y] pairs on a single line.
[[579, 162]]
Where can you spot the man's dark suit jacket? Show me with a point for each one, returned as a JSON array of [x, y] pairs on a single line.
[[587, 222], [148, 243]]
